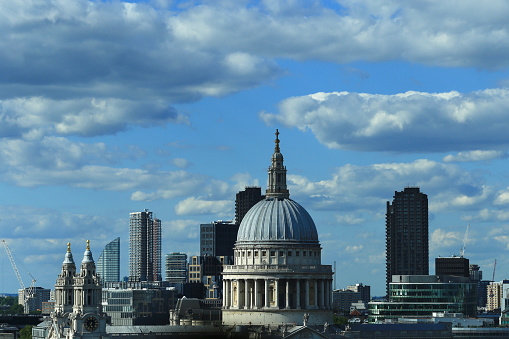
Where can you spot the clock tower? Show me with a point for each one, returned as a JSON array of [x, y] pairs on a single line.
[[78, 311]]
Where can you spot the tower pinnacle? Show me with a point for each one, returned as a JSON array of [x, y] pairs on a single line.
[[276, 185]]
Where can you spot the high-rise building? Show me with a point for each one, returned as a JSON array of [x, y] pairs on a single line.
[[108, 265], [457, 266], [475, 273], [156, 251], [144, 247], [176, 268], [245, 200], [364, 290], [406, 229], [218, 238], [34, 303]]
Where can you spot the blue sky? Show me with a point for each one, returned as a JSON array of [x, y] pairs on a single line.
[[112, 107]]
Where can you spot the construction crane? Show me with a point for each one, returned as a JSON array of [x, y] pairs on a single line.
[[27, 293], [462, 251]]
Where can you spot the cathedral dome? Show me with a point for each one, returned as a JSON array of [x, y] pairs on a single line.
[[276, 219]]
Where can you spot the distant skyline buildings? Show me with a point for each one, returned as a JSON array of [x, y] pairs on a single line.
[[406, 229], [246, 199], [218, 238], [108, 264], [144, 247]]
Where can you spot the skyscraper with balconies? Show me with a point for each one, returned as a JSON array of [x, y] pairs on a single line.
[[108, 265], [406, 230], [144, 247]]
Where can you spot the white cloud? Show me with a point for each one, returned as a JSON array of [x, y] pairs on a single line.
[[181, 163], [404, 122], [362, 188], [196, 206], [349, 219], [472, 156], [441, 239], [354, 248], [26, 117]]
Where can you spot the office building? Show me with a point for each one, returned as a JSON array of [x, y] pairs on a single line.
[[277, 276], [421, 295], [406, 229], [176, 268], [457, 266], [475, 273], [364, 290], [136, 306], [343, 299], [108, 264], [218, 238], [34, 303], [497, 293], [144, 247], [246, 199]]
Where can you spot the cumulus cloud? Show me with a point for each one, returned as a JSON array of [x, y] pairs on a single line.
[[404, 122], [196, 206], [472, 156], [361, 188], [126, 50], [33, 116], [441, 239]]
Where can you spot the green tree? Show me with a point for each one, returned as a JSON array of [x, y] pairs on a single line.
[[340, 320], [26, 332]]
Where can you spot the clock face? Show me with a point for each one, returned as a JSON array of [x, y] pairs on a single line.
[[91, 323]]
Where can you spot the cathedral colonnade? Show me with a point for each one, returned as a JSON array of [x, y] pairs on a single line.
[[260, 293]]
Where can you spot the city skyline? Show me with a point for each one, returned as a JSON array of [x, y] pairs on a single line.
[[174, 110]]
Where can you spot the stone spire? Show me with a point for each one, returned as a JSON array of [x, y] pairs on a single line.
[[276, 184]]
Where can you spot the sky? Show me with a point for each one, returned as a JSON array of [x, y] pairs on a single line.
[[111, 107]]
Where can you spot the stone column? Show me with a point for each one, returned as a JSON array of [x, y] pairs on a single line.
[[246, 294], [266, 293], [276, 289], [256, 301], [238, 293], [322, 294], [306, 301], [224, 294], [298, 294], [316, 293], [287, 294]]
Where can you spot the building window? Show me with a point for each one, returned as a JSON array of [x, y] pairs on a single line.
[[303, 253], [255, 253], [249, 253], [281, 253], [289, 253], [297, 253], [264, 253], [272, 253]]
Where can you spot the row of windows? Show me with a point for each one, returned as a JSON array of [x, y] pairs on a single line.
[[273, 253]]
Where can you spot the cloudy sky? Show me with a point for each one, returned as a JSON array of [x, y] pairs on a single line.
[[110, 107]]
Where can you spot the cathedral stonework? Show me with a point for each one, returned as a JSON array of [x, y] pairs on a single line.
[[78, 311], [277, 276]]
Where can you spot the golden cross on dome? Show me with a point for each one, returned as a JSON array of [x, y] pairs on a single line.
[[88, 245], [277, 141], [68, 247]]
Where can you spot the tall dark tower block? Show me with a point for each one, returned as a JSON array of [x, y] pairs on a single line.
[[245, 200], [406, 232]]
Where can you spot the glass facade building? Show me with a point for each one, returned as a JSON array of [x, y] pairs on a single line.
[[411, 296], [108, 265]]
